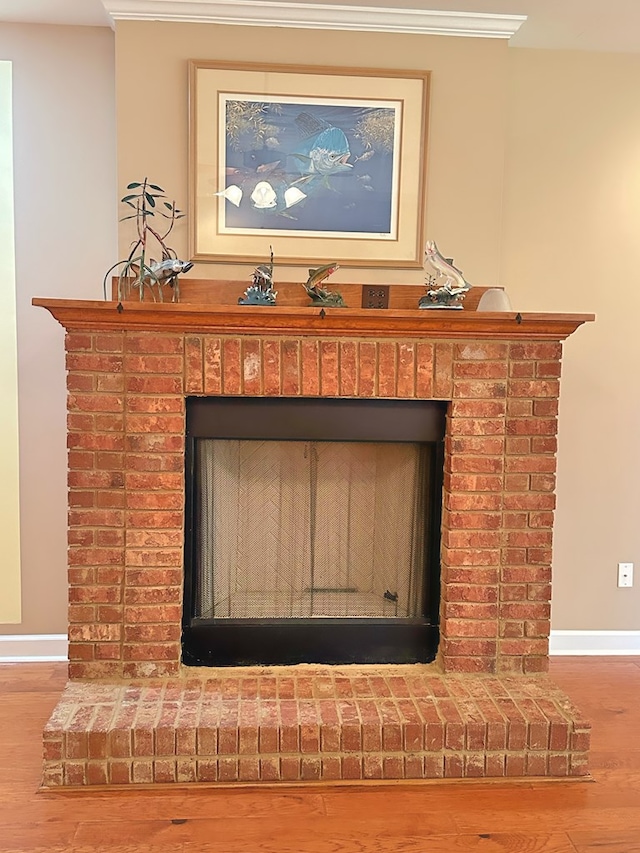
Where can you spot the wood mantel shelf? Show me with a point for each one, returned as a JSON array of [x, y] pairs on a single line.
[[276, 320]]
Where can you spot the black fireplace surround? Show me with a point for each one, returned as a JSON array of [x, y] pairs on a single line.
[[213, 641]]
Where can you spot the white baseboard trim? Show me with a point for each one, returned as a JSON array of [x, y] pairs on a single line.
[[594, 643], [33, 648]]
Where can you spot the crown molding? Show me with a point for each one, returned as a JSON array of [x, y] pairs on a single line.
[[253, 13]]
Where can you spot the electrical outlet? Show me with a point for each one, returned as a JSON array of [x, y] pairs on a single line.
[[375, 296], [625, 574]]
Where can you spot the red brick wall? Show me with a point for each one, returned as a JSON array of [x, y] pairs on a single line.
[[126, 495]]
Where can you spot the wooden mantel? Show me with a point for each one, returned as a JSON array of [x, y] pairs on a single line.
[[276, 320]]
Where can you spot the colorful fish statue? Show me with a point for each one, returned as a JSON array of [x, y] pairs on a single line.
[[320, 295]]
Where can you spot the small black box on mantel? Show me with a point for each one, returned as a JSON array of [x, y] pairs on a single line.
[[375, 295]]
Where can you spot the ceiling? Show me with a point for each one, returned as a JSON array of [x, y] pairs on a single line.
[[603, 25]]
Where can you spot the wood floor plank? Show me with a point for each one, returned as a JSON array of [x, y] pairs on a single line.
[[544, 801], [339, 843], [506, 819], [606, 842], [298, 839], [32, 677], [252, 832], [27, 836], [177, 805]]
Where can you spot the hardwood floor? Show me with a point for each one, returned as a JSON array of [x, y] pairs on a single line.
[[598, 816]]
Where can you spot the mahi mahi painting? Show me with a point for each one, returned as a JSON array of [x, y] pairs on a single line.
[[314, 167]]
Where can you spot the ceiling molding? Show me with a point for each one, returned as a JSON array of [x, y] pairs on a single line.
[[253, 13]]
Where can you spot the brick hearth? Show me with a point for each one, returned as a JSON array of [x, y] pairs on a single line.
[[313, 723], [133, 713]]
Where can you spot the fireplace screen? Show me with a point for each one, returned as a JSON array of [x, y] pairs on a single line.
[[300, 529], [312, 530]]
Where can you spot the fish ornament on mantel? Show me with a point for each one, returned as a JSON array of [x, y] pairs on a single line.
[[165, 272], [320, 295], [261, 291], [447, 288], [153, 276]]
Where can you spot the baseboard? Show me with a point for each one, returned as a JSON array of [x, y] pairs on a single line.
[[23, 648], [594, 643], [31, 648]]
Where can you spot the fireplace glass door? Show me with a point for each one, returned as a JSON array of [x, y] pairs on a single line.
[[302, 529]]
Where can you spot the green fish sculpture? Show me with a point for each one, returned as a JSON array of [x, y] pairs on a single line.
[[320, 295]]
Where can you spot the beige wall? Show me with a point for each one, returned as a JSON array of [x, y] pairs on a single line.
[[534, 173], [466, 146], [65, 224], [572, 243]]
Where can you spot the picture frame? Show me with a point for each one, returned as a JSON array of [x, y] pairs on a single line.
[[320, 164]]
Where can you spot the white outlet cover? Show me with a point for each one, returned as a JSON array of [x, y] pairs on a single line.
[[625, 574]]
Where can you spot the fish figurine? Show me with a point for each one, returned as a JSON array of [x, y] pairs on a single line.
[[263, 275], [261, 291], [448, 287], [444, 267], [320, 274], [161, 273], [320, 295], [168, 270]]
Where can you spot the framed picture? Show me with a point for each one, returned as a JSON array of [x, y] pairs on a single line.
[[322, 164]]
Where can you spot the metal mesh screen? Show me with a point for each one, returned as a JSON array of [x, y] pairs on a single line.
[[291, 529]]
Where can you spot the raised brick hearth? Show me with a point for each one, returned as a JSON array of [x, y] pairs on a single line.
[[316, 723], [132, 713]]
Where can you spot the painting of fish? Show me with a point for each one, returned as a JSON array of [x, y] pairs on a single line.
[[319, 162], [299, 167]]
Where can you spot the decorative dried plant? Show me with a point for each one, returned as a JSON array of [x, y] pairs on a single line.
[[139, 270]]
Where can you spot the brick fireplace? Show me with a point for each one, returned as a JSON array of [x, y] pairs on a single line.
[[132, 713]]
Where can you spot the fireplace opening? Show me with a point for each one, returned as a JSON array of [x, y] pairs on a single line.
[[312, 531]]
